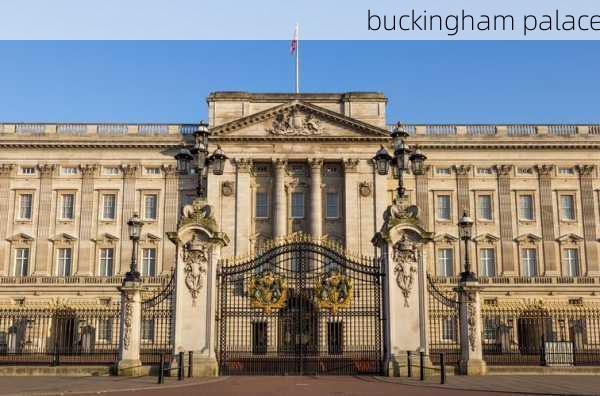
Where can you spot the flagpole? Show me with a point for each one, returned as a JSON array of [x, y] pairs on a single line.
[[297, 58]]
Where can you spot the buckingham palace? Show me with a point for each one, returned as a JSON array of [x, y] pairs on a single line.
[[300, 233]]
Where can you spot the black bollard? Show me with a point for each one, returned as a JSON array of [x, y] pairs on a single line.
[[442, 369], [190, 364], [180, 368], [409, 365], [422, 366], [161, 369]]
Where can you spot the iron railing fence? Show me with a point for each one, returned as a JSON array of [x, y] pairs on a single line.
[[157, 327], [443, 327], [539, 335], [59, 335]]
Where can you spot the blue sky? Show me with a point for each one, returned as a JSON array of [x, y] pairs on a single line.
[[425, 81]]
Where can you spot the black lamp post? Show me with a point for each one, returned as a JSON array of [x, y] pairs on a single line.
[[465, 231], [196, 159], [135, 231], [404, 156]]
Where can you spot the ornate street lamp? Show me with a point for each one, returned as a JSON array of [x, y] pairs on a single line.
[[135, 231], [197, 159], [404, 156], [465, 231]]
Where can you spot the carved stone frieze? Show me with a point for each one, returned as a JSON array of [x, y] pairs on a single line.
[[503, 170], [127, 320], [351, 164], [227, 188], [88, 170], [462, 170], [195, 259], [6, 169], [544, 170], [243, 165], [169, 170], [46, 170], [129, 170], [586, 170], [365, 189]]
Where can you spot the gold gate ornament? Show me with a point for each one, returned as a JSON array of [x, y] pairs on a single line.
[[267, 292], [335, 291]]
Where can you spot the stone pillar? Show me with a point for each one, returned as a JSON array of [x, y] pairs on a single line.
[[404, 291], [586, 175], [198, 251], [506, 222], [279, 200], [422, 193], [131, 321], [471, 361], [243, 208], [5, 173], [129, 175], [171, 214], [316, 198], [462, 198], [86, 221], [353, 226], [547, 218], [43, 252]]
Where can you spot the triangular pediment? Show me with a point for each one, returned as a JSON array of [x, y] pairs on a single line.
[[529, 237], [151, 238], [20, 237], [486, 237], [106, 238], [573, 238], [445, 238], [63, 237], [298, 119]]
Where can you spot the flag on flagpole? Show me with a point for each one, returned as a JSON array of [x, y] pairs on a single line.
[[294, 44]]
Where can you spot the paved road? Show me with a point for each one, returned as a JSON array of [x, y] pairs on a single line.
[[302, 386]]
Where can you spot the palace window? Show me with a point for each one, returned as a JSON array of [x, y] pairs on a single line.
[[70, 170], [332, 205], [526, 211], [150, 206], [571, 261], [446, 262], [22, 262], [64, 259], [490, 330], [332, 170], [25, 206], [487, 261], [443, 207], [68, 206], [297, 205], [335, 337], [152, 171], [109, 206], [566, 171], [449, 329], [28, 170], [529, 261], [485, 171], [262, 205], [259, 338], [567, 207], [105, 330], [107, 261], [148, 330], [443, 171], [484, 206], [111, 170], [149, 262]]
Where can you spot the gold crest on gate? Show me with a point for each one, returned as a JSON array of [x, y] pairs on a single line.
[[267, 291], [335, 291]]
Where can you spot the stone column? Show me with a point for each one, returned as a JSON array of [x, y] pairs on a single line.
[[243, 208], [279, 199], [404, 294], [586, 175], [86, 221], [547, 218], [171, 214], [462, 198], [505, 217], [131, 321], [43, 252], [199, 245], [353, 226], [5, 173], [316, 198], [471, 361], [129, 175], [422, 193]]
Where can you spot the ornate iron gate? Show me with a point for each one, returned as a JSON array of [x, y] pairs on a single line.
[[300, 307], [444, 327], [157, 323]]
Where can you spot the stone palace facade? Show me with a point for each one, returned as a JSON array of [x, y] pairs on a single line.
[[299, 163]]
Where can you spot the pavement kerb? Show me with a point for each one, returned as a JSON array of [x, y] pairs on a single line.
[[449, 387], [136, 389]]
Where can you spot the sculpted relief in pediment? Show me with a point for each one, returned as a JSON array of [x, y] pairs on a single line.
[[292, 122]]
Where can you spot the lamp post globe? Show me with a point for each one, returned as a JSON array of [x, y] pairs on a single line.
[[217, 160], [382, 161], [135, 231]]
